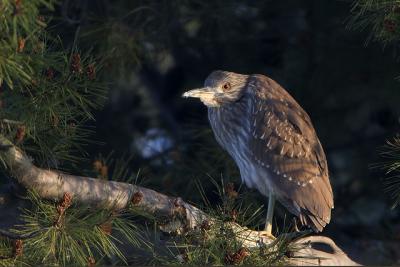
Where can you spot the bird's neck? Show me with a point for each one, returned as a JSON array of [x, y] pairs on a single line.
[[232, 111], [230, 119]]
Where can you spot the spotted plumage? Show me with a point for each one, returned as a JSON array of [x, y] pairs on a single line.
[[273, 142]]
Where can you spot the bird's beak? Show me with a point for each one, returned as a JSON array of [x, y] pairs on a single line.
[[207, 95], [202, 93]]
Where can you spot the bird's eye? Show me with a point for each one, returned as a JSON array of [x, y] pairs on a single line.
[[226, 86]]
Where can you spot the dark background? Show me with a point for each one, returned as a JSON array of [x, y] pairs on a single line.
[[152, 51]]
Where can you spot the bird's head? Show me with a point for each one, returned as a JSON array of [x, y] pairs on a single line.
[[220, 87]]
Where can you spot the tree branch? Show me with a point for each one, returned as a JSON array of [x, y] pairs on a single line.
[[174, 214]]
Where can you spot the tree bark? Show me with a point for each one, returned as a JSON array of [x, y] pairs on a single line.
[[174, 214]]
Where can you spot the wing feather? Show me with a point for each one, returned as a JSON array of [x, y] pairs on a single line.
[[284, 138]]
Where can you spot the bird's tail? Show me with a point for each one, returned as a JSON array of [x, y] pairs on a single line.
[[307, 219]]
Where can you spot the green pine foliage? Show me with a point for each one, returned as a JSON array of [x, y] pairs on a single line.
[[391, 153], [380, 17], [48, 92], [76, 237], [21, 26], [215, 243], [7, 257]]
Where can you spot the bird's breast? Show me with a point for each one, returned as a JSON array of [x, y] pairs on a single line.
[[231, 127]]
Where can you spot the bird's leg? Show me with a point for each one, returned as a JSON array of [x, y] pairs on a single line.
[[268, 223], [270, 214]]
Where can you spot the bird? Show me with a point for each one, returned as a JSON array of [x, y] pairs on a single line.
[[272, 141]]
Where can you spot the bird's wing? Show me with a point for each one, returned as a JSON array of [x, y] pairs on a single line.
[[284, 142]]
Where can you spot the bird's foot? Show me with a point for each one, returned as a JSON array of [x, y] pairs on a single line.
[[266, 239], [267, 235]]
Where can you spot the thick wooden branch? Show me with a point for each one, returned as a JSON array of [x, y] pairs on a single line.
[[309, 251], [173, 214]]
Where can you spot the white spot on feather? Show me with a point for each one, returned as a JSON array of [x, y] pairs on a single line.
[[269, 142]]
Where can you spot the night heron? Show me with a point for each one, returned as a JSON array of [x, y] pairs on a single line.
[[273, 142]]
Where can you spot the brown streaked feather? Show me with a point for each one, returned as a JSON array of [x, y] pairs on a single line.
[[290, 144]]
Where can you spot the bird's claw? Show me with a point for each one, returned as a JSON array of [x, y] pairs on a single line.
[[267, 234]]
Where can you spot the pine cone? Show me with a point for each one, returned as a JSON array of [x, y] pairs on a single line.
[[237, 257], [230, 191], [17, 7], [21, 45], [76, 63], [234, 215], [389, 25], [101, 168], [65, 204], [91, 262], [91, 72], [106, 227], [137, 197], [20, 135], [205, 225], [50, 73], [18, 248]]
